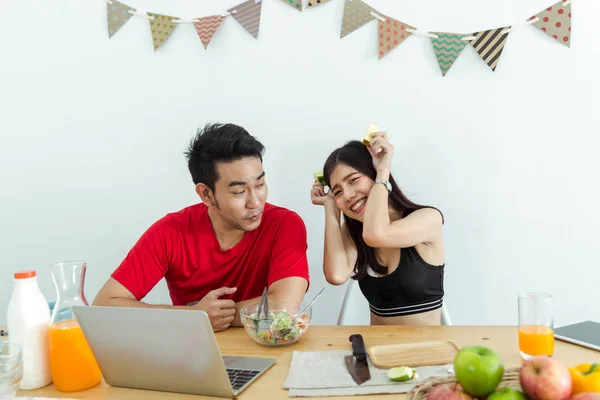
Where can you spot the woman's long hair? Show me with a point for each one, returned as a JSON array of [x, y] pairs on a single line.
[[356, 155]]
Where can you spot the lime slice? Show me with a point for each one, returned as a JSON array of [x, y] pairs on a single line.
[[400, 374]]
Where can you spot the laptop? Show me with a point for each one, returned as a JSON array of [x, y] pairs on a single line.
[[166, 350], [585, 333]]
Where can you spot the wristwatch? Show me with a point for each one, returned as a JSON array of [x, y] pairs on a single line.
[[387, 184]]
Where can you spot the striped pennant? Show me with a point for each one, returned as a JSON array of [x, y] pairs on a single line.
[[248, 15], [356, 14], [489, 44], [314, 3], [161, 27], [206, 28], [116, 16], [297, 4], [390, 34], [448, 47], [556, 22]]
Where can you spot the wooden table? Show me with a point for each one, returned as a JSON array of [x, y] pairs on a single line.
[[234, 341]]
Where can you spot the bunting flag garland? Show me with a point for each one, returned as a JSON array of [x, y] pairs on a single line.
[[116, 16], [447, 47], [248, 15], [391, 34], [297, 4], [206, 28], [489, 44], [161, 27], [556, 22], [314, 3], [356, 14]]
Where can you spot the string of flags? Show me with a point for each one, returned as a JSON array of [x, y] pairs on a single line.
[[555, 21]]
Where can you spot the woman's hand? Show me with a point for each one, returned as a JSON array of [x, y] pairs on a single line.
[[382, 151], [318, 195]]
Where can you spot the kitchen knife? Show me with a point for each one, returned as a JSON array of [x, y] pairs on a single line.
[[357, 362]]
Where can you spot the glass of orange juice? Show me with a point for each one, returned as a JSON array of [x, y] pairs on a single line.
[[536, 330]]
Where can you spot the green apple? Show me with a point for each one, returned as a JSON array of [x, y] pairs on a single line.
[[507, 393], [478, 369]]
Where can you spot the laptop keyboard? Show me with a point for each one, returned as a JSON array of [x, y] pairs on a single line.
[[239, 377]]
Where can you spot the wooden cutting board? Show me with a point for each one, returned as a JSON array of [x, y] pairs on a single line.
[[414, 354]]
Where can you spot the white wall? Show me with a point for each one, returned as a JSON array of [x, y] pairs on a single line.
[[92, 133]]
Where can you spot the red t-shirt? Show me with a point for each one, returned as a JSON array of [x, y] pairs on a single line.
[[183, 248]]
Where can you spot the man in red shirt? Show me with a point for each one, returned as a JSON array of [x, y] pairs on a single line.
[[219, 254]]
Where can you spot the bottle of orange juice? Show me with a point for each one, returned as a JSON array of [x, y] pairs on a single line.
[[72, 364]]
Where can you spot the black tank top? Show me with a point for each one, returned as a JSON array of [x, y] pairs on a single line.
[[412, 288]]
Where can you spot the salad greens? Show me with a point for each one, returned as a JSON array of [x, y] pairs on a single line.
[[285, 328]]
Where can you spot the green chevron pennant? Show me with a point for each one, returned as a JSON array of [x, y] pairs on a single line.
[[448, 47]]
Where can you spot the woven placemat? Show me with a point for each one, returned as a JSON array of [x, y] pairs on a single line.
[[421, 390]]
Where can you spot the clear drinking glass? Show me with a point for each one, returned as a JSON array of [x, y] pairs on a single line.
[[536, 327], [11, 369]]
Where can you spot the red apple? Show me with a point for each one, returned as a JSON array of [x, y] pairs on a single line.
[[545, 378], [586, 396], [448, 392]]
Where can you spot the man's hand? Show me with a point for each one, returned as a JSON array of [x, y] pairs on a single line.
[[220, 312]]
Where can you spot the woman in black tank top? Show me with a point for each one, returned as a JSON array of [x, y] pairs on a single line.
[[390, 245]]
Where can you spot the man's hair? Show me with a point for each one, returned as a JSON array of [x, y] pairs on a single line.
[[219, 143]]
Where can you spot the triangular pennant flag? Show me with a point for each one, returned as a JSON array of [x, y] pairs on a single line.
[[489, 44], [206, 28], [390, 34], [314, 3], [556, 22], [448, 47], [116, 16], [297, 4], [248, 15], [161, 27], [356, 14]]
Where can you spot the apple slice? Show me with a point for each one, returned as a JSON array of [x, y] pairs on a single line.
[[372, 129], [320, 178], [401, 374]]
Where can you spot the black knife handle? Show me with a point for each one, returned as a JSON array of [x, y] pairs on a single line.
[[358, 347]]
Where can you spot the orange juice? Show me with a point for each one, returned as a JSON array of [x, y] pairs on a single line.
[[72, 363], [536, 340]]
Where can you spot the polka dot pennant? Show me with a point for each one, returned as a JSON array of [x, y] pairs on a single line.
[[297, 4], [556, 22], [314, 3], [356, 14], [116, 16], [161, 27], [390, 33]]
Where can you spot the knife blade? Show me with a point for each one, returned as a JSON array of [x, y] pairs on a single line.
[[357, 363]]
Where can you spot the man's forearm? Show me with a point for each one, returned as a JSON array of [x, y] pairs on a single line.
[[125, 302]]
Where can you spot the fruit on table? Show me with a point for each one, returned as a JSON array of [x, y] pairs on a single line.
[[401, 374], [507, 393], [586, 378], [545, 378], [448, 392], [586, 396], [478, 369]]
